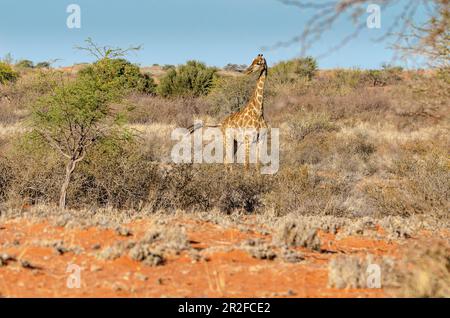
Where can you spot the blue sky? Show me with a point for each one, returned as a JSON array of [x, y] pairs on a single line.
[[216, 32]]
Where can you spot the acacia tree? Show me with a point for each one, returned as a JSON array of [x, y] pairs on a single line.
[[74, 118], [77, 114]]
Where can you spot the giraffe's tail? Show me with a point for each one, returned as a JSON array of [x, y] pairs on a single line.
[[198, 126]]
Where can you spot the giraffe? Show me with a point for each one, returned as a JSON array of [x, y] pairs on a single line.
[[249, 117]]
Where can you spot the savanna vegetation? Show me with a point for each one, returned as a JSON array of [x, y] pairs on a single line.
[[353, 142]]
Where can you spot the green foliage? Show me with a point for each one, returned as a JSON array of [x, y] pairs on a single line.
[[7, 74], [25, 64], [72, 106], [443, 73], [375, 78], [167, 67], [290, 71], [77, 115], [120, 73], [229, 94], [388, 75], [192, 79], [348, 78], [43, 65]]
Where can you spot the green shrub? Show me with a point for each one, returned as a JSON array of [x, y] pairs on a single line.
[[290, 71], [167, 67], [78, 115], [192, 79], [121, 73], [375, 78], [43, 65], [443, 74], [7, 74], [348, 78], [25, 64]]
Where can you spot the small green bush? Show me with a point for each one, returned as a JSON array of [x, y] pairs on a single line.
[[43, 65], [290, 71], [122, 73], [167, 67], [25, 64], [192, 79], [348, 78], [7, 74]]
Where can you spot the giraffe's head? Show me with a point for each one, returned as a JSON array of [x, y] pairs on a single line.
[[259, 64]]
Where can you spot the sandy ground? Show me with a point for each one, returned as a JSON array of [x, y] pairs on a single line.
[[36, 268]]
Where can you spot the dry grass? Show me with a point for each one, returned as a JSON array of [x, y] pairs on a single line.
[[348, 149]]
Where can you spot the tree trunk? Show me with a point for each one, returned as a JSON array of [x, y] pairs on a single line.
[[70, 167]]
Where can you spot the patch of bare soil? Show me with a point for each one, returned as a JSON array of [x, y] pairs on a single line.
[[182, 257]]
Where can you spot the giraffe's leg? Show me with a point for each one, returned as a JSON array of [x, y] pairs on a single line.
[[228, 154], [258, 144], [247, 142]]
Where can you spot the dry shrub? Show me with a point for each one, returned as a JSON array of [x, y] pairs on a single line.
[[229, 94], [352, 153], [355, 272], [118, 176], [201, 188], [158, 242], [259, 249], [312, 150], [290, 232], [37, 173], [418, 186], [180, 111], [425, 271], [6, 177], [304, 191], [423, 102], [362, 103]]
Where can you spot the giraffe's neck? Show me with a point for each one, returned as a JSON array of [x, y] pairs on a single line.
[[258, 96]]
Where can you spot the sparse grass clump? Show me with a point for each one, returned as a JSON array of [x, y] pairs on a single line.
[[418, 186], [345, 272], [310, 123], [293, 233], [425, 271]]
